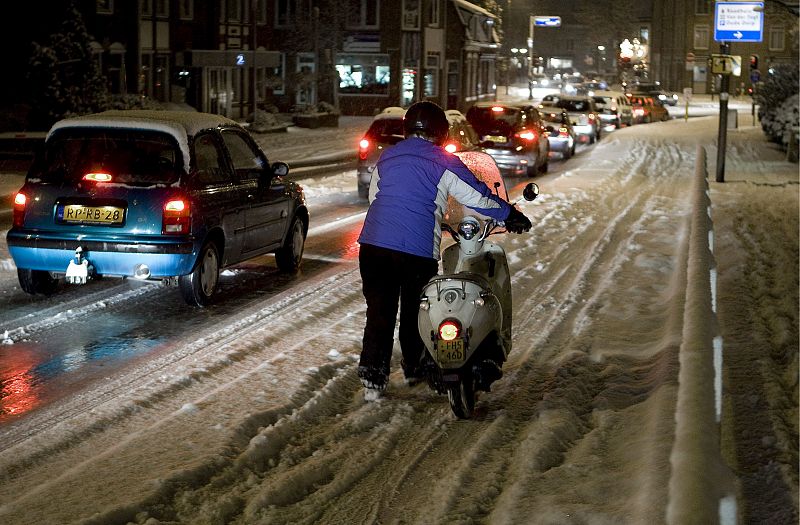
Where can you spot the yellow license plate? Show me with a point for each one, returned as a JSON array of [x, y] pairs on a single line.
[[495, 138], [450, 354], [92, 214]]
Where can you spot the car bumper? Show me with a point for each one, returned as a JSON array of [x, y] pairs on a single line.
[[511, 163], [584, 129], [164, 257], [561, 144]]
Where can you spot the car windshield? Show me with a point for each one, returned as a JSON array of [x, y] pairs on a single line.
[[136, 157], [603, 101], [495, 119], [577, 106], [386, 130]]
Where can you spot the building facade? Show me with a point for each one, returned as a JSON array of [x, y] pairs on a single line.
[[231, 56]]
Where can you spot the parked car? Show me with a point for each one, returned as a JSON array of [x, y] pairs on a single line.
[[517, 135], [152, 195], [655, 90], [614, 107], [386, 130], [647, 109], [584, 116], [560, 132]]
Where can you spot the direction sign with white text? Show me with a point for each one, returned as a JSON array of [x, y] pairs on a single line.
[[547, 21], [739, 22]]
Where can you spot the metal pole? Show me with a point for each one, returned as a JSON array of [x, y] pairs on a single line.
[[724, 48], [530, 58], [253, 68]]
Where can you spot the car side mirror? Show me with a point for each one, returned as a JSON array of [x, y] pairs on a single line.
[[279, 169]]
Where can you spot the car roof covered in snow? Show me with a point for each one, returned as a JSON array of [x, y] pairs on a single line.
[[180, 124]]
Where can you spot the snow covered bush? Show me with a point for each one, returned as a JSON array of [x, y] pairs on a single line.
[[777, 98]]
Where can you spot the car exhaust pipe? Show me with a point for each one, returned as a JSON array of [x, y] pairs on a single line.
[[141, 272]]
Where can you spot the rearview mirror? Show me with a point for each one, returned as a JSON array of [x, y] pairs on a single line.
[[279, 169], [531, 191]]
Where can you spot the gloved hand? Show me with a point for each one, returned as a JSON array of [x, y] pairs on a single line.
[[517, 222]]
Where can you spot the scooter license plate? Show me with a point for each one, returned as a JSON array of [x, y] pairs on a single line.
[[450, 354]]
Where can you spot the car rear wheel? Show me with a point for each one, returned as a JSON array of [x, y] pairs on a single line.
[[289, 256], [37, 281], [544, 167], [199, 286]]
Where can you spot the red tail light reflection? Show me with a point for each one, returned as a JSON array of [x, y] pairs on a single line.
[[363, 149], [451, 147], [527, 135]]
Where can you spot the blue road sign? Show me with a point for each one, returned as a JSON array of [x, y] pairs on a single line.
[[547, 21], [755, 76], [739, 21]]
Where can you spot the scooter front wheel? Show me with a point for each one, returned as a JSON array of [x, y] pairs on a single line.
[[462, 397]]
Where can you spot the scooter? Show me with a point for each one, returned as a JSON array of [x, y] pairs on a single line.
[[465, 312]]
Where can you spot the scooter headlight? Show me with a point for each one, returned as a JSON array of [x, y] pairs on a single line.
[[449, 329], [469, 228], [424, 304]]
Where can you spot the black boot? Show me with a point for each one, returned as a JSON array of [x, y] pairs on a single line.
[[486, 372]]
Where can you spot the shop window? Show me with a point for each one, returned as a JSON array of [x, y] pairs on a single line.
[[365, 74]]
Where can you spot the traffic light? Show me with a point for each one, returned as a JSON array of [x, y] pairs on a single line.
[[753, 61]]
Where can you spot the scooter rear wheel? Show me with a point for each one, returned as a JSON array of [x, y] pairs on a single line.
[[462, 397]]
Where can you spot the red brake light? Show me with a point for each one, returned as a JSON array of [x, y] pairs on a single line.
[[20, 200], [497, 109], [451, 147], [449, 329], [176, 218], [363, 147], [97, 177], [527, 135]]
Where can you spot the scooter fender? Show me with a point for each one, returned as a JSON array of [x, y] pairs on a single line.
[[466, 300]]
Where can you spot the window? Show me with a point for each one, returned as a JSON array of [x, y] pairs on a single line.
[[261, 11], [777, 38], [430, 81], [363, 14], [105, 7], [272, 78], [363, 73], [702, 7], [701, 34], [246, 162], [411, 15], [162, 8], [285, 12], [234, 10], [186, 9], [208, 161], [433, 13]]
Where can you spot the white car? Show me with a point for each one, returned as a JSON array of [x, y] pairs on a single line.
[[614, 108]]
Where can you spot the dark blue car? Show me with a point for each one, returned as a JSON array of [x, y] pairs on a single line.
[[171, 196]]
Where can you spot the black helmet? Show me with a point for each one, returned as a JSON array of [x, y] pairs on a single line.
[[426, 119]]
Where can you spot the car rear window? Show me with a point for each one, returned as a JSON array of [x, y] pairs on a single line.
[[135, 157], [491, 120], [578, 106], [386, 130]]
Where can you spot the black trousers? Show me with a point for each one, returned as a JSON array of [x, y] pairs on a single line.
[[389, 277]]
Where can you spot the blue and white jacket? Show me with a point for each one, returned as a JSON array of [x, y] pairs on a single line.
[[408, 195]]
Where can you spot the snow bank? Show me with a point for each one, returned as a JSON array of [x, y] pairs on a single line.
[[699, 479]]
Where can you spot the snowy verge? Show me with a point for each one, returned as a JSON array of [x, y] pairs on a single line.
[[700, 479]]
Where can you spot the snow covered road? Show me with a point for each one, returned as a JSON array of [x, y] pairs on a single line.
[[259, 418]]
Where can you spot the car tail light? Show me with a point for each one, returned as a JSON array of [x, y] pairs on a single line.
[[363, 149], [449, 329], [527, 135], [639, 112], [20, 200], [98, 177], [451, 147], [498, 109], [177, 217]]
